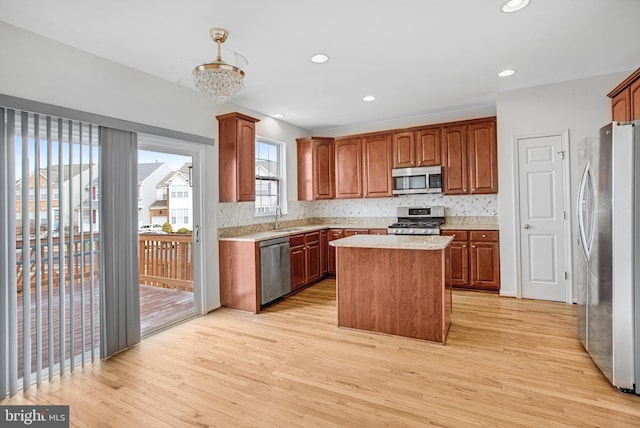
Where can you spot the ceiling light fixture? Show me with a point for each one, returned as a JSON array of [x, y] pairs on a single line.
[[277, 115], [506, 73], [319, 58], [219, 80], [514, 5], [369, 98]]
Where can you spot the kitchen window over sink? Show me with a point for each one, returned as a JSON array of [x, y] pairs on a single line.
[[269, 177]]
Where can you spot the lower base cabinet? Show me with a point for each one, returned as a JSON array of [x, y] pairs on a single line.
[[475, 259], [305, 259], [333, 235]]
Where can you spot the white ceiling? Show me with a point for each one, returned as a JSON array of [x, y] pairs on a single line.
[[418, 57]]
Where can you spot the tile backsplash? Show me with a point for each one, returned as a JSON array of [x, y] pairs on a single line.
[[242, 213]]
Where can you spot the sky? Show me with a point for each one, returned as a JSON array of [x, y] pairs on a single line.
[[174, 161]]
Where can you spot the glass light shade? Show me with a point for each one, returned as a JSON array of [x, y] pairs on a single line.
[[220, 81]]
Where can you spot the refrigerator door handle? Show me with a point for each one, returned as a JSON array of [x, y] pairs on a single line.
[[586, 203]]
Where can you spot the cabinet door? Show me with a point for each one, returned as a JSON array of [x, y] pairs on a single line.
[[455, 164], [485, 265], [428, 147], [376, 166], [333, 234], [313, 261], [246, 158], [404, 150], [298, 267], [634, 100], [459, 257], [620, 107], [323, 170], [483, 158], [324, 252], [348, 154]]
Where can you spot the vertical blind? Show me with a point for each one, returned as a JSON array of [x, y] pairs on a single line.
[[49, 255]]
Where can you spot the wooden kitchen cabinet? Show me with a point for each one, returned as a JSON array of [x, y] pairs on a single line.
[[324, 252], [428, 146], [404, 149], [333, 235], [469, 157], [348, 168], [316, 168], [417, 148], [237, 147], [312, 247], [305, 259], [351, 232], [483, 158], [455, 171], [376, 166], [484, 260], [240, 275], [378, 231], [459, 259], [298, 262], [625, 99], [475, 259]]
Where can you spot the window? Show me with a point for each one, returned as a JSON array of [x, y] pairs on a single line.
[[180, 191], [43, 193], [162, 194], [179, 215], [269, 177]]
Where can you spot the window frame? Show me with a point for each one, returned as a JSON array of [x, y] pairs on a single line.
[[280, 179]]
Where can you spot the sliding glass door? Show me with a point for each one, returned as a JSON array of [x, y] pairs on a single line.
[[168, 235]]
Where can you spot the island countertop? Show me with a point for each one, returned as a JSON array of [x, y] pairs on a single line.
[[400, 242]]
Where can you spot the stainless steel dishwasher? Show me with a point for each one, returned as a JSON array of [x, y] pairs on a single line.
[[275, 269]]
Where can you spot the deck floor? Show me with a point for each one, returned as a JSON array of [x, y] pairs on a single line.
[[157, 307]]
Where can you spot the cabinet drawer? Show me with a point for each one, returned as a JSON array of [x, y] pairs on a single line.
[[312, 237], [377, 231], [351, 232], [458, 235], [296, 240], [484, 235]]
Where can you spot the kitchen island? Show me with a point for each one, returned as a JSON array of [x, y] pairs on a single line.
[[395, 284]]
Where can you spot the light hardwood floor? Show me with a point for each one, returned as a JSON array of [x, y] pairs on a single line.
[[507, 363]]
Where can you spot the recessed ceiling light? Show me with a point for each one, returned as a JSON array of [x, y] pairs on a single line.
[[506, 73], [369, 98], [319, 58], [514, 5], [277, 115]]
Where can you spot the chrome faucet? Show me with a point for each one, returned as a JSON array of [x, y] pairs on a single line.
[[276, 225]]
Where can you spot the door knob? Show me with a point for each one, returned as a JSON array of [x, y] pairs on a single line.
[[527, 226]]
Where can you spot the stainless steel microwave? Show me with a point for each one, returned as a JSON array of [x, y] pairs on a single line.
[[426, 179]]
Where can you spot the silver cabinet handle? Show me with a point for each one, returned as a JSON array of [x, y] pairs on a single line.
[[527, 226], [197, 233]]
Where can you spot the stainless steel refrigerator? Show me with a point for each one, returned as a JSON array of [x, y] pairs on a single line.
[[607, 260]]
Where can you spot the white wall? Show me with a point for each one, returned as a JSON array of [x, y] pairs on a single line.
[[581, 106], [39, 69]]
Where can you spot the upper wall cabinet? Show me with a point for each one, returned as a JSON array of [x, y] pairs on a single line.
[[470, 161], [376, 166], [316, 173], [236, 166], [417, 148], [348, 153], [625, 99]]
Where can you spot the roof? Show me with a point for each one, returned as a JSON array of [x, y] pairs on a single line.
[[75, 169], [146, 169]]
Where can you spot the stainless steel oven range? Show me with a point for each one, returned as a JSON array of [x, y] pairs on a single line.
[[418, 221]]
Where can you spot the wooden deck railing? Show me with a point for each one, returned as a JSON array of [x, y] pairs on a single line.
[[166, 261], [83, 245]]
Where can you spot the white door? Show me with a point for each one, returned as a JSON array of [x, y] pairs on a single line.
[[544, 244]]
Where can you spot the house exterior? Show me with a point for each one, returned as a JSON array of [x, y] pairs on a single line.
[[175, 199], [75, 178], [149, 176]]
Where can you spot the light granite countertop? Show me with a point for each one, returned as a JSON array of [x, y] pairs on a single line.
[[400, 242], [452, 223]]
